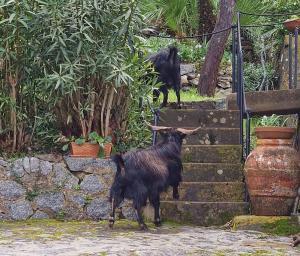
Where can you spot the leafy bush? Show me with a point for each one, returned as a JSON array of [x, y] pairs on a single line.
[[257, 77], [273, 120], [180, 16], [69, 61], [189, 51]]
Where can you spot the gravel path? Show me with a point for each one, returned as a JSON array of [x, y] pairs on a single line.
[[43, 238]]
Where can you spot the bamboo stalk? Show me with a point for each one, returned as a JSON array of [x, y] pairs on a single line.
[[108, 109], [102, 112], [92, 112]]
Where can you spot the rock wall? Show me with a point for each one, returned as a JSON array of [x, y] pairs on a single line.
[[49, 186]]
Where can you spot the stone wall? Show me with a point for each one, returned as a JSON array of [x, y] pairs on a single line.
[[49, 186]]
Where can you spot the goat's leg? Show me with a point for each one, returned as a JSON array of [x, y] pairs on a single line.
[[164, 90], [155, 201], [115, 202], [177, 91], [140, 219], [175, 192], [296, 240], [112, 215]]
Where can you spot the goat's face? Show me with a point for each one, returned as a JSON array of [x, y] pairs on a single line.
[[172, 136]]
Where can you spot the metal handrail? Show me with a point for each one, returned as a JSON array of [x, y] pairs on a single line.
[[238, 77]]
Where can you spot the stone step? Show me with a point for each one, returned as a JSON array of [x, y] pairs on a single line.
[[281, 102], [202, 213], [214, 136], [212, 154], [209, 192], [196, 118], [212, 172], [220, 104]]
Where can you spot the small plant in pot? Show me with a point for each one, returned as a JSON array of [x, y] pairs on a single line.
[[291, 23], [85, 146], [273, 127]]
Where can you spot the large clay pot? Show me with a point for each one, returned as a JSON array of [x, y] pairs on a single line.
[[272, 173]]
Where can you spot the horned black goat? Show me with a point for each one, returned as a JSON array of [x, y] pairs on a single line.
[[167, 64], [144, 174]]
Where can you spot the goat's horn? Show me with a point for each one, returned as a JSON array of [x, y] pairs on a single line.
[[159, 128], [188, 132]]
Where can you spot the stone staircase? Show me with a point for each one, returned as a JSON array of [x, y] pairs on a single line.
[[212, 191]]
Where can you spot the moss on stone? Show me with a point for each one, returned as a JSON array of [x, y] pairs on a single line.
[[274, 225], [284, 227]]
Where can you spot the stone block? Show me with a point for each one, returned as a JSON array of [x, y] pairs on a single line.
[[98, 209], [20, 210], [11, 190]]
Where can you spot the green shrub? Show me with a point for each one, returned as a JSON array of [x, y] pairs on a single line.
[[190, 51], [257, 77]]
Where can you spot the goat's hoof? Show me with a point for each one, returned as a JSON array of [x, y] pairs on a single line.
[[111, 222], [157, 223], [143, 226]]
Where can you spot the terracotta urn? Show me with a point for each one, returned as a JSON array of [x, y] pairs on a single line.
[[290, 25], [272, 172], [85, 150]]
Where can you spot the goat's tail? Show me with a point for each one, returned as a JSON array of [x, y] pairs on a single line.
[[173, 52], [118, 160]]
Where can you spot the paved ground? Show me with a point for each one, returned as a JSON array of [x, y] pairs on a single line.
[[93, 238]]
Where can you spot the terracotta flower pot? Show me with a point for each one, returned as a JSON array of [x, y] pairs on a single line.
[[107, 149], [85, 150], [290, 25], [274, 132], [272, 173]]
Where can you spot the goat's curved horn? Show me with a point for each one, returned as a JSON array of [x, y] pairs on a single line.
[[159, 128], [188, 132]]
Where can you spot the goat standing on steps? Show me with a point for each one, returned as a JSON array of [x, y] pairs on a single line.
[[167, 65], [144, 174]]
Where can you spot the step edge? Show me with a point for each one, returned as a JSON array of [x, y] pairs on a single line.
[[204, 202], [200, 110], [213, 182], [215, 146], [203, 164]]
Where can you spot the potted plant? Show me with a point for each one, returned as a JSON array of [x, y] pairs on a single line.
[[272, 169], [107, 146], [292, 23], [85, 146], [273, 127]]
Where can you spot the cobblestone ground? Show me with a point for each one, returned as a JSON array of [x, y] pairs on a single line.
[[93, 238]]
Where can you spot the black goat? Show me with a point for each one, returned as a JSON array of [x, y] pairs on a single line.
[[167, 64], [144, 174]]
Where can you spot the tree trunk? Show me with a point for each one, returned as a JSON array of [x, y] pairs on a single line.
[[217, 44], [207, 19]]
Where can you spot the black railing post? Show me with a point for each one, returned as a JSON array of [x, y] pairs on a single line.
[[290, 60], [296, 58], [240, 80], [233, 59], [155, 120]]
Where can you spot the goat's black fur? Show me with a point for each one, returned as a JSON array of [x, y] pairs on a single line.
[[167, 64], [144, 174]]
